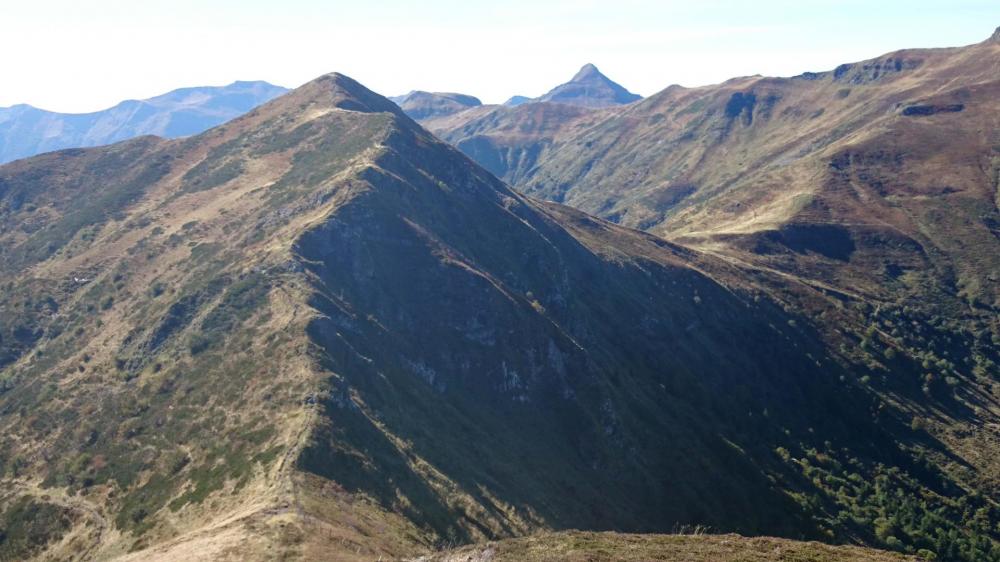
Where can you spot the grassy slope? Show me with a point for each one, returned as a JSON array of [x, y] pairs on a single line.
[[876, 220], [611, 547], [511, 141], [160, 380]]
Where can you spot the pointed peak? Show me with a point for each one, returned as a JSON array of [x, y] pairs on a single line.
[[995, 38], [587, 71], [590, 88], [343, 92]]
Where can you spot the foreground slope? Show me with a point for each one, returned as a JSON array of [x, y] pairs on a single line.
[[26, 131], [318, 331], [610, 547]]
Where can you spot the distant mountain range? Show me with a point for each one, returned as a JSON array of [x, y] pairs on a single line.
[[588, 88], [510, 139], [26, 130]]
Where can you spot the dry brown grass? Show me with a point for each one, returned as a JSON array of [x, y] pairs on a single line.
[[579, 546]]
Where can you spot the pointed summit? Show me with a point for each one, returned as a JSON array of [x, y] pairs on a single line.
[[342, 92], [587, 72], [995, 38], [590, 88]]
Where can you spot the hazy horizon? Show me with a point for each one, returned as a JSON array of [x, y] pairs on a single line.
[[88, 58]]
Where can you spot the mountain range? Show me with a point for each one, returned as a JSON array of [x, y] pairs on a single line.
[[587, 89], [325, 330], [26, 130]]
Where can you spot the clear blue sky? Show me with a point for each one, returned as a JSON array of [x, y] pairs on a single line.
[[73, 55]]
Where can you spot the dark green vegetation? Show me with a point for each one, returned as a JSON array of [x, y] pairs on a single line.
[[319, 329], [26, 526]]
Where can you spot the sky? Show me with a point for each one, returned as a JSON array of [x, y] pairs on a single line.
[[77, 56]]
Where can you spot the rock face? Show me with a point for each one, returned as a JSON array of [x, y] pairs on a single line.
[[26, 131], [590, 88], [426, 105]]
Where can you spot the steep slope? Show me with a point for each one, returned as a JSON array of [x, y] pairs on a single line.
[[510, 141], [318, 331], [26, 131], [156, 377], [425, 105]]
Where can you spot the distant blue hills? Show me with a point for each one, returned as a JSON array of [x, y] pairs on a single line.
[[26, 130]]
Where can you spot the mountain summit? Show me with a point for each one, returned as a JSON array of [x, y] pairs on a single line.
[[588, 72], [590, 88]]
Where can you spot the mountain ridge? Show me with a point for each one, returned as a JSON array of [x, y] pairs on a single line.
[[423, 105]]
